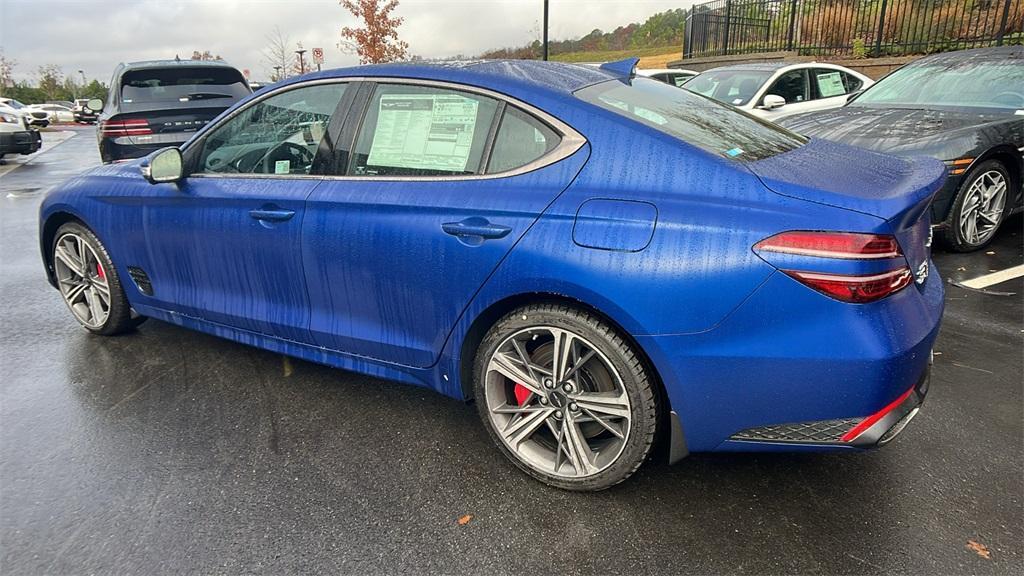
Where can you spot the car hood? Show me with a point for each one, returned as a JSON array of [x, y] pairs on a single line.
[[893, 130], [892, 188]]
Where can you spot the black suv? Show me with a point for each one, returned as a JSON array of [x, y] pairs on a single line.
[[152, 105]]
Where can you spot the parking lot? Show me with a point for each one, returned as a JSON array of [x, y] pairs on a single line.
[[173, 451]]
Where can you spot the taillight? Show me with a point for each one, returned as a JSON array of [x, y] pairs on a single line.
[[132, 127], [845, 245], [858, 289], [853, 288]]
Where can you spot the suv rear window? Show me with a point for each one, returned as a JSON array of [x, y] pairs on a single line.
[[182, 84], [692, 118]]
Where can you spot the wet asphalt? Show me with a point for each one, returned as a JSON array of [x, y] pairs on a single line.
[[169, 451]]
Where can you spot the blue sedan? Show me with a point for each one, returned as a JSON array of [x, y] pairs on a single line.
[[610, 267]]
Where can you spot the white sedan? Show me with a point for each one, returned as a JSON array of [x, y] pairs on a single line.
[[776, 90], [55, 112]]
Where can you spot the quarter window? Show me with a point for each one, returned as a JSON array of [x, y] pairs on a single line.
[[852, 83], [278, 135], [412, 130], [521, 139]]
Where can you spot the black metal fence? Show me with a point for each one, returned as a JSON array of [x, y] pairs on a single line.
[[850, 27]]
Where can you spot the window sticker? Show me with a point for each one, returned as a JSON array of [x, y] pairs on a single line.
[[282, 167], [424, 131], [734, 152], [830, 84]]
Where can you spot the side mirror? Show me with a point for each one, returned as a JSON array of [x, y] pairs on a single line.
[[164, 165], [772, 102], [94, 104]]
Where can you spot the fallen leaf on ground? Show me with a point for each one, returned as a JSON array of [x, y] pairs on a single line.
[[979, 549], [465, 519], [990, 253], [287, 366]]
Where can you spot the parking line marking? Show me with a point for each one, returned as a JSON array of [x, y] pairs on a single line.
[[994, 278]]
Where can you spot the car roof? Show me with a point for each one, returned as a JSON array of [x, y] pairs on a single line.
[[991, 54], [170, 63], [555, 76]]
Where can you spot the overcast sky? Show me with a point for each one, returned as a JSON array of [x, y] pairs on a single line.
[[96, 35]]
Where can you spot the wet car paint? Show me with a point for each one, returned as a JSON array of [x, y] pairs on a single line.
[[697, 269]]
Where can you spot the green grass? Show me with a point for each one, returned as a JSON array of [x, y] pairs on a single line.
[[612, 55]]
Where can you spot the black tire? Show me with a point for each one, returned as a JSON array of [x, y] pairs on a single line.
[[636, 382], [952, 235], [119, 318]]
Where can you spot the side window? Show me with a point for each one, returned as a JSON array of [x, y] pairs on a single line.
[[412, 130], [278, 135], [521, 139], [792, 86], [852, 83], [828, 83]]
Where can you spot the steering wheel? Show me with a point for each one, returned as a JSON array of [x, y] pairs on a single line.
[[296, 154], [1010, 98]]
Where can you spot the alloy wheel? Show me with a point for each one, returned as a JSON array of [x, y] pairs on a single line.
[[557, 402], [983, 207], [82, 280]]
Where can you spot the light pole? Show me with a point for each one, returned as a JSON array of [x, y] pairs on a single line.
[[82, 73], [302, 63], [277, 73], [545, 29]]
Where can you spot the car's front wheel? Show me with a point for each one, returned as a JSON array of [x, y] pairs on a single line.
[[88, 281], [565, 397], [979, 207]]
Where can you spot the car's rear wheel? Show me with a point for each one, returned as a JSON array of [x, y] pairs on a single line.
[[88, 281], [979, 207], [565, 397]]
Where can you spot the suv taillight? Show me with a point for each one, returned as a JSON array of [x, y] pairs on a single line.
[[854, 288], [134, 127]]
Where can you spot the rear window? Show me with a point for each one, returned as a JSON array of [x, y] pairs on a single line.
[[182, 84], [694, 119]]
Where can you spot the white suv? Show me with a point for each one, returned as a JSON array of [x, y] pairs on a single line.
[[15, 135]]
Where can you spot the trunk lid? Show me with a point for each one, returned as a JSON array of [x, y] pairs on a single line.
[[891, 188], [895, 189]]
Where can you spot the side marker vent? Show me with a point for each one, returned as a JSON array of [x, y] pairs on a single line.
[[141, 280]]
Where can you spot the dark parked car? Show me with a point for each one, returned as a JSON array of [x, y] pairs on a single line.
[[964, 108], [162, 103]]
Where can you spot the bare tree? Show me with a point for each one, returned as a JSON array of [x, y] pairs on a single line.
[[278, 55], [378, 40], [6, 71]]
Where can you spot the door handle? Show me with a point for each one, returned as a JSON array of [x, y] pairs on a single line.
[[475, 227], [273, 215]]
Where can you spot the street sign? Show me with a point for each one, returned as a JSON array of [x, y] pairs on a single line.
[[318, 55]]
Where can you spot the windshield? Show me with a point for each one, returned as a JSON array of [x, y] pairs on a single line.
[[957, 83], [734, 87], [182, 84], [693, 119]]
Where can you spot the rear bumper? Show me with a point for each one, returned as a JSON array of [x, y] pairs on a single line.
[[868, 432], [793, 370], [25, 142]]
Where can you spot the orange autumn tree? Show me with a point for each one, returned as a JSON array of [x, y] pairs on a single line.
[[378, 40]]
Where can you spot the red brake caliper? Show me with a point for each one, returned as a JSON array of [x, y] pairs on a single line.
[[522, 393], [99, 271]]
